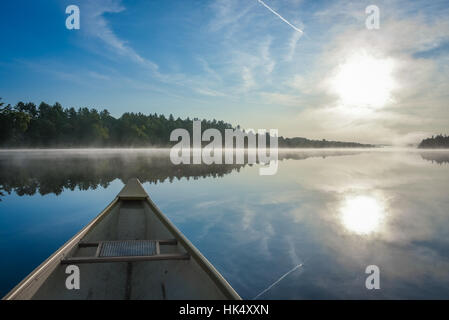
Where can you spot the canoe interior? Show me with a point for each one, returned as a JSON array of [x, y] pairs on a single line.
[[128, 218]]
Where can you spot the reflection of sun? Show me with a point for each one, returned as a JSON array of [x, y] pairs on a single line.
[[364, 80], [362, 214]]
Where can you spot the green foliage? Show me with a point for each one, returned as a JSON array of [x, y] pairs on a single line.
[[13, 124], [26, 125]]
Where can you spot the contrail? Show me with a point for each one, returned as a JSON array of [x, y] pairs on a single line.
[[280, 17], [277, 281]]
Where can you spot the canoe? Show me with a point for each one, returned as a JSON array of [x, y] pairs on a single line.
[[129, 251]]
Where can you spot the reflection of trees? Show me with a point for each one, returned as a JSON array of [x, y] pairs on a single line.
[[315, 153], [45, 172], [436, 157]]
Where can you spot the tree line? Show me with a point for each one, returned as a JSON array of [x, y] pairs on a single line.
[[28, 125], [439, 141], [45, 125]]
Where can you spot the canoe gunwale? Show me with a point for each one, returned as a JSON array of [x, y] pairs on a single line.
[[207, 267]]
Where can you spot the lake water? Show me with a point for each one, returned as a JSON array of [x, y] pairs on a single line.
[[326, 215]]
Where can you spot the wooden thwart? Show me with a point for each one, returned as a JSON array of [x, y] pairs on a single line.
[[166, 256], [161, 242]]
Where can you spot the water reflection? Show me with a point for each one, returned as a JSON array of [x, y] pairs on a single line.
[[362, 214], [27, 173], [438, 157], [332, 212], [45, 172]]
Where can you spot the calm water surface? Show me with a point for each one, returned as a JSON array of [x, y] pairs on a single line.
[[333, 212]]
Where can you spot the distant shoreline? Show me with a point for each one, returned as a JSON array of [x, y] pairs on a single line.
[[112, 149], [169, 148], [53, 126]]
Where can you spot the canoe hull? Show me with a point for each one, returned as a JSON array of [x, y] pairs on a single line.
[[132, 217]]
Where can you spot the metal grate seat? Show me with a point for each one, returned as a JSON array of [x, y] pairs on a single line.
[[127, 251], [128, 248]]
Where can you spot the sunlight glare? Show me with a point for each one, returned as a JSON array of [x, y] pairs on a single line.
[[362, 214], [364, 80]]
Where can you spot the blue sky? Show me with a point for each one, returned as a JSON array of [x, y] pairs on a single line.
[[235, 60]]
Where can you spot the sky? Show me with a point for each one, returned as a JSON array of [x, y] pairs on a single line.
[[307, 68]]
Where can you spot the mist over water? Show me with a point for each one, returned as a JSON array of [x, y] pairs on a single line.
[[332, 211]]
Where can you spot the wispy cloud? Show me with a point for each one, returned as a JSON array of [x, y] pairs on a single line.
[[96, 25], [292, 45], [228, 14], [209, 92], [248, 80], [99, 76]]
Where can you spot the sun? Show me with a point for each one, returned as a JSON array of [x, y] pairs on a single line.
[[362, 214], [364, 81]]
